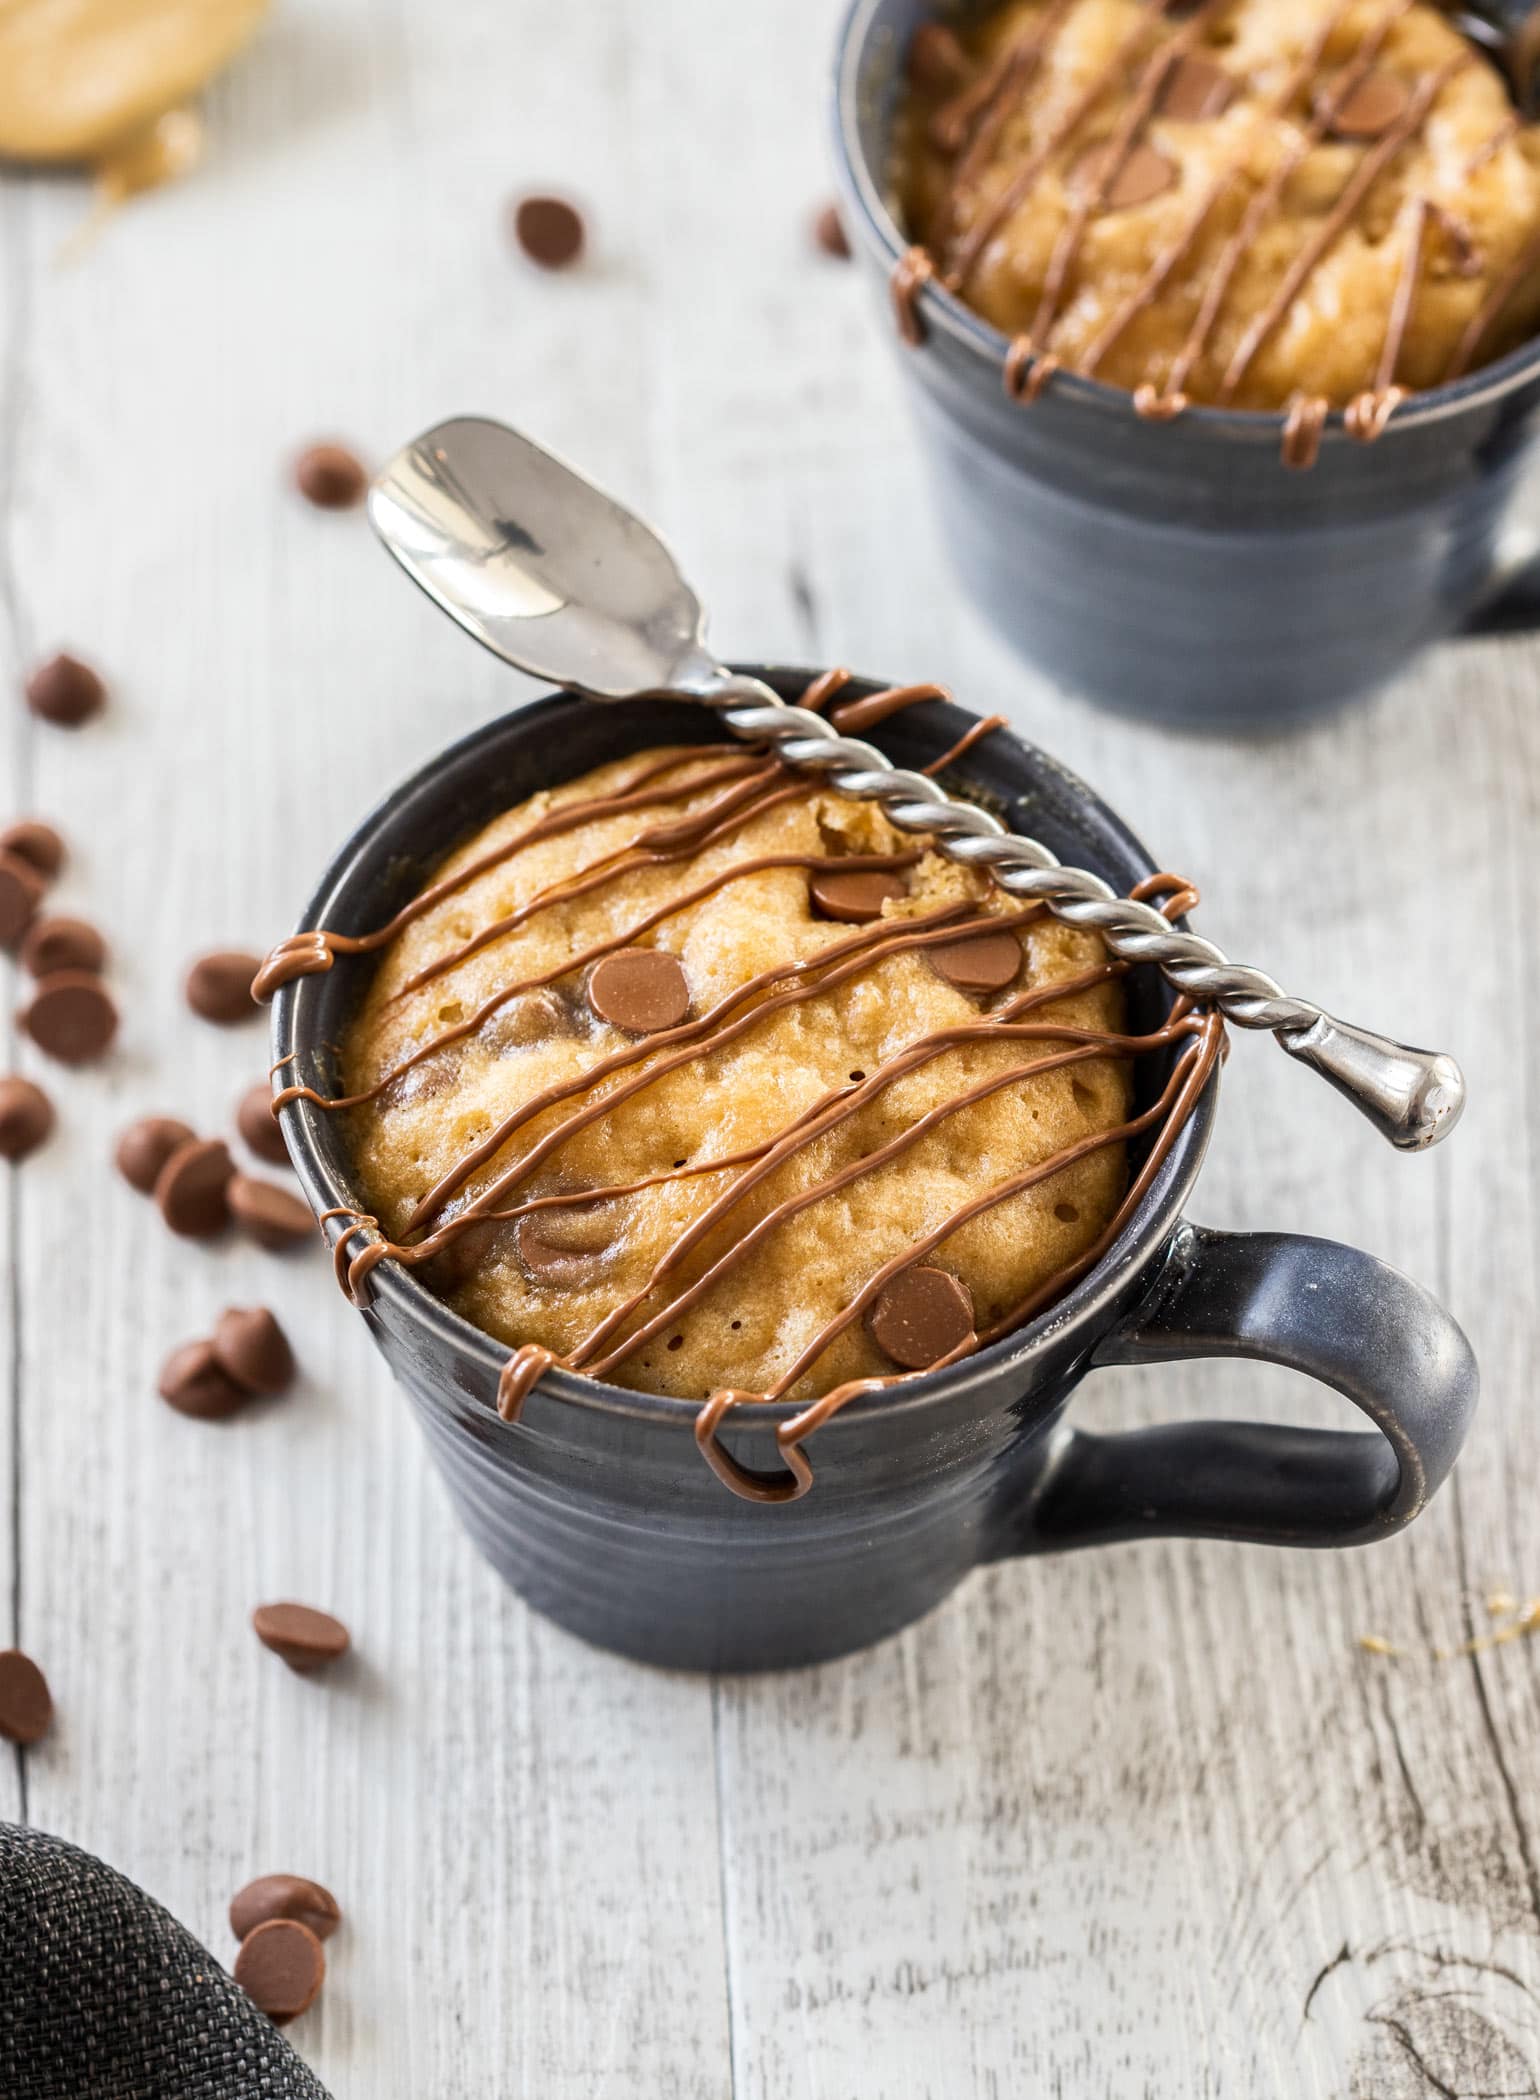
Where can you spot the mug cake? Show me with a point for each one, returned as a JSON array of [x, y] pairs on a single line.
[[694, 1076], [1278, 205]]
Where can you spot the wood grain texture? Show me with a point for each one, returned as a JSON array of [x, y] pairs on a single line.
[[1145, 1822]]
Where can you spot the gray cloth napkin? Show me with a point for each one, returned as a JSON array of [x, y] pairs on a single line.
[[103, 1996]]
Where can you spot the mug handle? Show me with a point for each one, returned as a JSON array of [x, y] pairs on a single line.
[[1512, 605], [1319, 1307]]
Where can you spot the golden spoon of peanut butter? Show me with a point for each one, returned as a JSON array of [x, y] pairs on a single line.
[[103, 83]]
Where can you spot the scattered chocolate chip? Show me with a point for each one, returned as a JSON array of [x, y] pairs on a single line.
[[1195, 90], [26, 1117], [71, 1016], [194, 1382], [281, 1967], [919, 1316], [854, 899], [190, 1188], [983, 962], [936, 61], [1143, 174], [62, 944], [257, 1124], [65, 691], [274, 1217], [330, 476], [290, 1896], [36, 843], [144, 1148], [251, 1348], [642, 989], [26, 1705], [829, 232], [305, 1638], [549, 230], [219, 986], [1368, 110], [558, 1246], [21, 891]]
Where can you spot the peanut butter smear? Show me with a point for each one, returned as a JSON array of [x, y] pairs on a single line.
[[103, 83]]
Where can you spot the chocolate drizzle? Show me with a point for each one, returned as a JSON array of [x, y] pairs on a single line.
[[1023, 1019], [969, 126]]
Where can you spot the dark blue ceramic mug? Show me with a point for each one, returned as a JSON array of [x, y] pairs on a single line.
[[597, 1505], [1177, 571]]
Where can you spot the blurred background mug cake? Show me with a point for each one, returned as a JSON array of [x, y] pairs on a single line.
[[1220, 325]]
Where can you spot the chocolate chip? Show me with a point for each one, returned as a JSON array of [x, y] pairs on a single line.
[[62, 944], [251, 1347], [190, 1188], [65, 691], [36, 843], [305, 1638], [330, 476], [194, 1382], [1368, 110], [26, 1117], [281, 1967], [1195, 90], [26, 1705], [219, 986], [919, 1316], [257, 1124], [855, 898], [144, 1148], [549, 230], [274, 1217], [21, 891], [1143, 174], [71, 1016], [290, 1896], [983, 962], [936, 61], [829, 232], [558, 1246], [642, 989]]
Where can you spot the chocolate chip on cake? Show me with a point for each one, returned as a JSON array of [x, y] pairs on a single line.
[[26, 1117], [71, 1015], [194, 1382], [65, 691], [549, 230], [21, 891], [1141, 174], [556, 1246], [936, 62], [144, 1148], [330, 476], [190, 1189], [919, 1316], [1195, 90], [257, 1124], [251, 1348], [1370, 108], [36, 843], [305, 1638], [274, 1217], [829, 233], [281, 1967], [26, 1705], [219, 986], [291, 1896], [982, 962], [62, 943], [644, 990], [854, 898]]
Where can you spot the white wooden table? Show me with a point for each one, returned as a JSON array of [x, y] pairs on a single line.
[[1145, 1822]]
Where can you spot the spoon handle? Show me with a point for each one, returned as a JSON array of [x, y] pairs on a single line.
[[1413, 1097]]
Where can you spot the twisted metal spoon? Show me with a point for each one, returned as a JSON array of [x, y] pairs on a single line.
[[563, 582]]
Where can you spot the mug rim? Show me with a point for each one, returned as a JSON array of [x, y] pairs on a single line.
[[1429, 406], [356, 863]]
